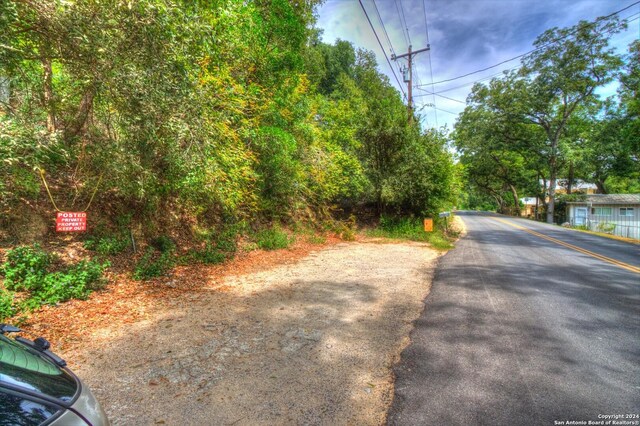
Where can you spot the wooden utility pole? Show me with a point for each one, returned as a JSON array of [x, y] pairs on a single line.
[[409, 55]]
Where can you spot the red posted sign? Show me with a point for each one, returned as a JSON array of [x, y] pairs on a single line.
[[71, 222]]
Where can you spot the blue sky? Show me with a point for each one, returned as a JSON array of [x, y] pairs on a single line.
[[464, 35]]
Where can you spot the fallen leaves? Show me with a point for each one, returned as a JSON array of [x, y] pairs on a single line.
[[124, 301]]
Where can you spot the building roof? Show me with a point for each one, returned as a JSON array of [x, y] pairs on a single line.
[[609, 199]]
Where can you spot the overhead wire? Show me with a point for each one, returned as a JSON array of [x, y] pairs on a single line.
[[476, 81], [384, 29], [426, 28], [505, 70], [439, 93], [405, 25], [427, 93], [404, 18], [381, 47], [533, 50], [434, 93], [400, 18]]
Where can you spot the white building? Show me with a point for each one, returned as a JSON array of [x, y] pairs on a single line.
[[617, 214]]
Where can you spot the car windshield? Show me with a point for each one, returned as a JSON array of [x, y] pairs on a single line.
[[19, 411], [28, 370]]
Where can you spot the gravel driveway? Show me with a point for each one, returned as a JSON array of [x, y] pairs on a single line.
[[311, 342]]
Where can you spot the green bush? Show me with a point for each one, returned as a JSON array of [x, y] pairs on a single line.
[[210, 255], [108, 246], [273, 239], [25, 268], [226, 241], [154, 264], [7, 308], [76, 282], [316, 239]]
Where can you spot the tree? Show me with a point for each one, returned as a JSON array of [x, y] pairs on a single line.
[[531, 112], [562, 74]]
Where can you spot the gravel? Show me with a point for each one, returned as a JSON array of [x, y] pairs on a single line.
[[312, 342]]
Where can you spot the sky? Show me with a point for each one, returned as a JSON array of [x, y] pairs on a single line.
[[464, 36]]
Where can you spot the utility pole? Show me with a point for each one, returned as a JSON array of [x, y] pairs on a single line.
[[409, 79]]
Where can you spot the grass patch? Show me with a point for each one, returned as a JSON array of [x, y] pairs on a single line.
[[108, 245], [316, 239], [154, 263], [411, 229], [158, 259], [273, 239], [217, 248]]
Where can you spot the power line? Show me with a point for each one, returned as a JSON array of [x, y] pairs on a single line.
[[436, 94], [530, 51], [426, 28], [439, 109], [405, 22], [475, 81], [382, 48], [444, 110], [400, 18], [383, 27]]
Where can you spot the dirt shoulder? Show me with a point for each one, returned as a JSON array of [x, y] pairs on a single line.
[[309, 341]]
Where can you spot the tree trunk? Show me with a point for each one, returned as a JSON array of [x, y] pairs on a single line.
[[48, 93], [552, 194], [80, 119], [600, 186], [516, 201]]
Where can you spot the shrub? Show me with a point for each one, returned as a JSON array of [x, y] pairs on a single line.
[[76, 282], [316, 239], [25, 267], [108, 246], [226, 241], [273, 239], [7, 308], [153, 264], [607, 228], [209, 255], [217, 250], [346, 229]]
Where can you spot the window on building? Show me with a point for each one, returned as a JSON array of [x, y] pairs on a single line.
[[626, 211], [601, 211]]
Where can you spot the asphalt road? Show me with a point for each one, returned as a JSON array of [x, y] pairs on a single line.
[[522, 330]]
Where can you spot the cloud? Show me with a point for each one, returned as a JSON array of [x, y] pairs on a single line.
[[465, 35]]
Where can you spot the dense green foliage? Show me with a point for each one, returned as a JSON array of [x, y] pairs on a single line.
[[29, 269], [546, 122], [201, 114], [25, 268]]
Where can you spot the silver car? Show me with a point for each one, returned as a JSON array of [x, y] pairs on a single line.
[[36, 387]]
